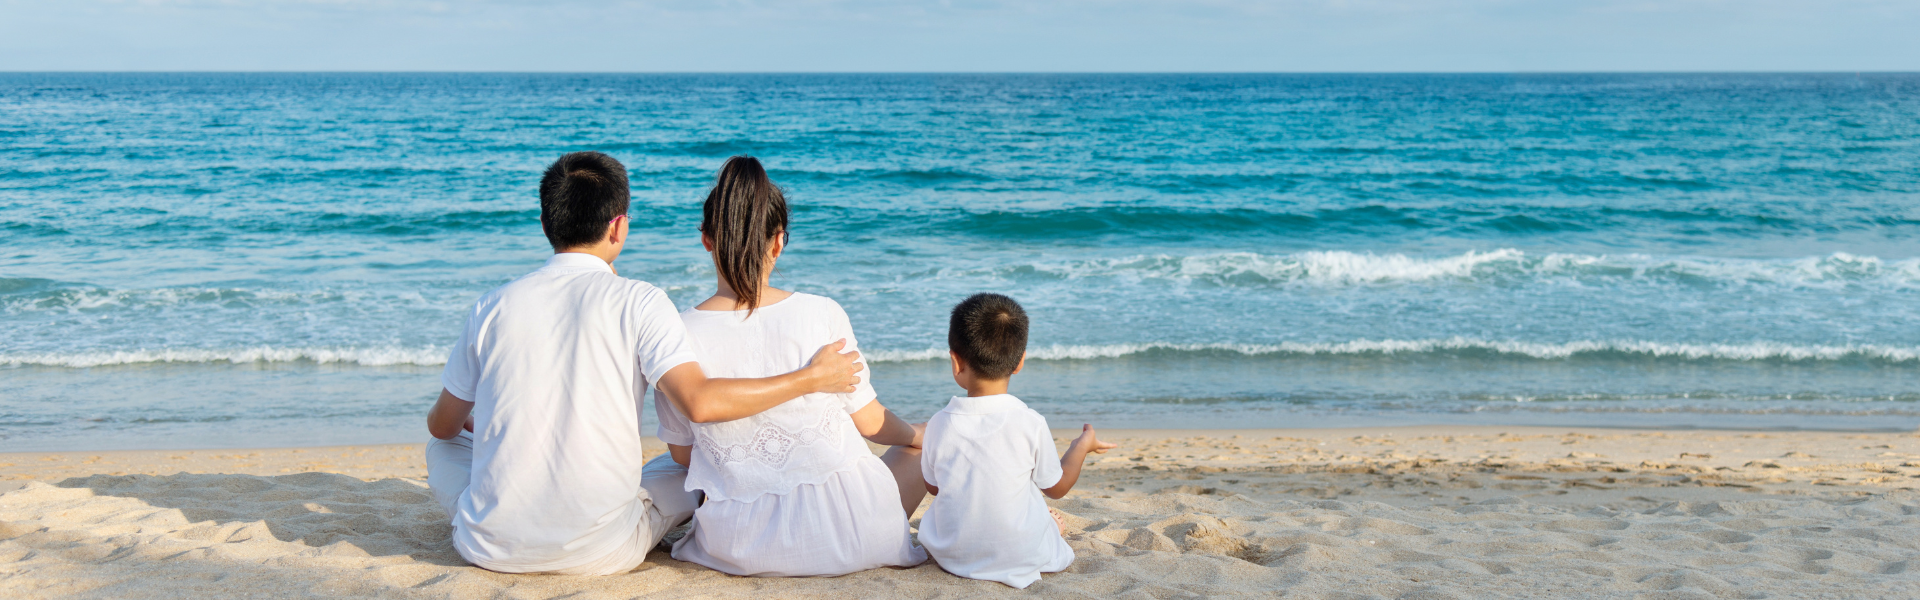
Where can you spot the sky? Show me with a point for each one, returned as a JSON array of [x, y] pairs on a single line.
[[960, 35]]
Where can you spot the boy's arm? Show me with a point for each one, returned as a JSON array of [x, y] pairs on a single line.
[[707, 400], [1075, 456], [448, 415]]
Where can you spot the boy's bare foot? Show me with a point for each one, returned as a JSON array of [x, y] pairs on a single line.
[[1059, 520]]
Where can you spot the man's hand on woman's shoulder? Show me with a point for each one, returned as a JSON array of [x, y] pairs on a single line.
[[834, 372]]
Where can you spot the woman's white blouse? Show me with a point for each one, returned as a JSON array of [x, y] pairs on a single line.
[[792, 491]]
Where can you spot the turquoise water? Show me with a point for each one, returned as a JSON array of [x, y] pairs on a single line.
[[234, 260]]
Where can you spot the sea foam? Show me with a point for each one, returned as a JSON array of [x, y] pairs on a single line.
[[1544, 351], [372, 357], [436, 355]]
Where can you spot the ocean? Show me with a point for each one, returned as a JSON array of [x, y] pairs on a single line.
[[246, 260]]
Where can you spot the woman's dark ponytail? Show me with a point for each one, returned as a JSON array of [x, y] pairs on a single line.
[[744, 212]]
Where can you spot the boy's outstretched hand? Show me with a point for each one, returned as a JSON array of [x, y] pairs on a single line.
[[1076, 455], [1087, 442]]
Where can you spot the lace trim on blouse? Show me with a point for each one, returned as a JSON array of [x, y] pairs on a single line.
[[772, 444]]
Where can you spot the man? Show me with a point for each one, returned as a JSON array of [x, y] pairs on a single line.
[[536, 456]]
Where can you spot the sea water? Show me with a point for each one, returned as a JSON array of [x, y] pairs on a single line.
[[202, 260]]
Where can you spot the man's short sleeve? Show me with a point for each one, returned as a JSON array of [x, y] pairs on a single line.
[[1046, 459], [663, 342], [842, 328], [674, 428], [462, 373]]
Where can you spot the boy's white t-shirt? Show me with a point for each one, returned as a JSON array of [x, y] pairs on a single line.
[[990, 456], [556, 363]]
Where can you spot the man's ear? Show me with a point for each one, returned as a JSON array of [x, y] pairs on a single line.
[[1022, 365], [617, 232], [706, 240], [959, 366]]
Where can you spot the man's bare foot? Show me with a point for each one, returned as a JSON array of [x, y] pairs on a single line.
[[1059, 520]]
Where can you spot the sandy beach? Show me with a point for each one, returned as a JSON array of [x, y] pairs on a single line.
[[1407, 512]]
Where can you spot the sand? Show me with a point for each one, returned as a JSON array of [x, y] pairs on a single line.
[[1413, 512]]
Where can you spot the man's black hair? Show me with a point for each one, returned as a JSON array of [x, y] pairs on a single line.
[[579, 197], [989, 333]]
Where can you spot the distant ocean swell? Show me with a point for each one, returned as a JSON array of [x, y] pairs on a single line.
[[1458, 346], [1492, 219], [1503, 266]]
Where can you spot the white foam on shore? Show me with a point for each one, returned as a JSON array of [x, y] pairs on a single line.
[[437, 355], [1749, 351], [373, 357]]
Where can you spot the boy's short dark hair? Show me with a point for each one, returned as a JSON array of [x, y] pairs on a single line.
[[989, 333], [580, 196]]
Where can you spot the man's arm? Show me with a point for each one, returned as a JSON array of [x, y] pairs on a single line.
[[448, 415], [707, 400]]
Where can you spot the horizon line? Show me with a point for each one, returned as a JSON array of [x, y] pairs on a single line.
[[509, 72]]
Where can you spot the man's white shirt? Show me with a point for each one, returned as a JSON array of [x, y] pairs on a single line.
[[556, 363]]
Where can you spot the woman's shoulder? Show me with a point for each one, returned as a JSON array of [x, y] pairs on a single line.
[[813, 301], [797, 309]]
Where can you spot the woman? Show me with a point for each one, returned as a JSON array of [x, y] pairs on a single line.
[[792, 491]]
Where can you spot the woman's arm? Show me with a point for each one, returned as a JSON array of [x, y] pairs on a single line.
[[681, 454], [881, 426]]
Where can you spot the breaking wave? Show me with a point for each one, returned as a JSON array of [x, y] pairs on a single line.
[[436, 355], [372, 357], [1505, 266], [1755, 351]]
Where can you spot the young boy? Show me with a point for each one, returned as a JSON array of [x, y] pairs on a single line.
[[987, 458]]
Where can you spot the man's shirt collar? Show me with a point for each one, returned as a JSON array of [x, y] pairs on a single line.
[[577, 260]]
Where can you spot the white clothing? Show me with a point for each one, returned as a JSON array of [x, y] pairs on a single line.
[[663, 483], [556, 363], [990, 456], [792, 491]]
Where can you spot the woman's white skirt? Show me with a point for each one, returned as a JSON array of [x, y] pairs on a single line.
[[850, 522]]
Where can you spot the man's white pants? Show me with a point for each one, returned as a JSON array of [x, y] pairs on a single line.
[[450, 468]]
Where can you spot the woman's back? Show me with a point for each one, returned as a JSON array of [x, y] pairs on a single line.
[[792, 491], [799, 442]]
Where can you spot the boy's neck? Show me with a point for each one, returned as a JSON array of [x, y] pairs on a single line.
[[987, 387]]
